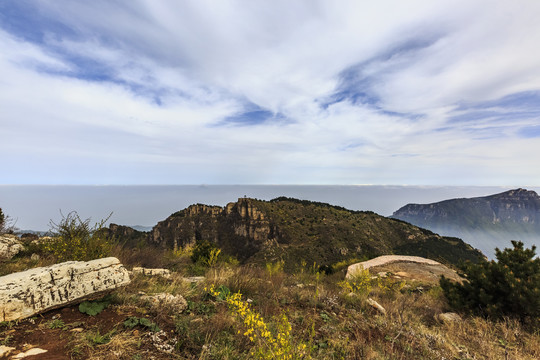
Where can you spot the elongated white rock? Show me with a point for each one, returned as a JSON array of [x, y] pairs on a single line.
[[33, 291], [387, 259]]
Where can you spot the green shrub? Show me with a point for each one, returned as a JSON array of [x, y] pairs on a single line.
[[509, 286], [93, 308], [96, 338], [203, 251], [75, 239], [206, 254], [57, 324], [360, 283], [133, 321]]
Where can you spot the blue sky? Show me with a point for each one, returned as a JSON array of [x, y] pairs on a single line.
[[270, 92]]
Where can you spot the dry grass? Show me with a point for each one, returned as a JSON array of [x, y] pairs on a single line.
[[335, 324]]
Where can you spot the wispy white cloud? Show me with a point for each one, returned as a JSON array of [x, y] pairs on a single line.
[[414, 92]]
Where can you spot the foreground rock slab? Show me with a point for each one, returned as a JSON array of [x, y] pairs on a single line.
[[33, 291]]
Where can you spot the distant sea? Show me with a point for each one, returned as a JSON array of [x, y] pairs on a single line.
[[33, 206]]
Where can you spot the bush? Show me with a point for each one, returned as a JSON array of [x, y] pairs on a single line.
[[203, 251], [7, 224], [75, 239], [509, 286], [206, 254], [360, 283]]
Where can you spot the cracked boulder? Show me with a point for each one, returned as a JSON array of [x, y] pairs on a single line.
[[34, 291]]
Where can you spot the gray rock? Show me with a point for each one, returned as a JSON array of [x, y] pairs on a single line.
[[34, 291], [10, 245], [376, 306], [448, 318], [174, 303], [166, 273]]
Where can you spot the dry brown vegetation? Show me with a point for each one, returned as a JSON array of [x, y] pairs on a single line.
[[334, 323]]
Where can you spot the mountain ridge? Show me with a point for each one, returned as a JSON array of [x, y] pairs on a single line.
[[298, 231], [485, 222]]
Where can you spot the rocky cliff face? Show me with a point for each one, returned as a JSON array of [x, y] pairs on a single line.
[[127, 235], [239, 228], [513, 214], [296, 231]]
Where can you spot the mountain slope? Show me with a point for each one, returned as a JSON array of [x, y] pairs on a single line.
[[485, 222], [303, 231]]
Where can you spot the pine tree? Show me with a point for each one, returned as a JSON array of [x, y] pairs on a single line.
[[509, 286]]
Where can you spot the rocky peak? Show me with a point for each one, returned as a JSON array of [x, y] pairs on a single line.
[[516, 195], [200, 209], [246, 208]]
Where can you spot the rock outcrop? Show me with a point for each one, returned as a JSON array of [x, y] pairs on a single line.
[[239, 228], [33, 291], [10, 245]]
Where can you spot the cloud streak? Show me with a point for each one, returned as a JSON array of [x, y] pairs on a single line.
[[270, 92]]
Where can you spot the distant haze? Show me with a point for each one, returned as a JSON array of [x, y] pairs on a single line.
[[33, 206]]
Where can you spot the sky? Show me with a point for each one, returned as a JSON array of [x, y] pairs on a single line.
[[270, 92]]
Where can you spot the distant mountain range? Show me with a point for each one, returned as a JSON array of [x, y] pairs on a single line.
[[298, 231], [484, 222]]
